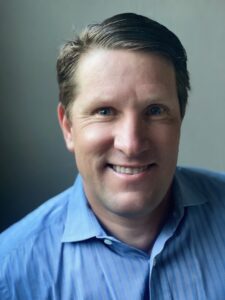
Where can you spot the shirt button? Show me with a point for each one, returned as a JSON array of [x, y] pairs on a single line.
[[107, 242]]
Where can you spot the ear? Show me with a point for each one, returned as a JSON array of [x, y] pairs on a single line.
[[66, 127]]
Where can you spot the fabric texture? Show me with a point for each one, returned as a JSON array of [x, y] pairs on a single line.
[[60, 250]]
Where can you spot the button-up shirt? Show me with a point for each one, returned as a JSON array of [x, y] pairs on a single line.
[[60, 251]]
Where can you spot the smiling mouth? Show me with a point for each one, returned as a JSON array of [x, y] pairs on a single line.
[[130, 170]]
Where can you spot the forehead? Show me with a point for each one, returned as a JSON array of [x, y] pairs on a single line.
[[113, 71]]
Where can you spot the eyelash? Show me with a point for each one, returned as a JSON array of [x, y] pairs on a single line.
[[101, 113], [161, 110], [105, 112]]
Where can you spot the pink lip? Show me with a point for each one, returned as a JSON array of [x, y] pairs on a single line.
[[134, 177], [132, 165]]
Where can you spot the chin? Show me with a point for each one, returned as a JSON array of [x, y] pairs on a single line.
[[131, 205]]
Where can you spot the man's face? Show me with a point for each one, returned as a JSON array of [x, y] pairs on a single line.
[[124, 130]]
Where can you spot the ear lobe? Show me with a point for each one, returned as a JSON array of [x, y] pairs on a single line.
[[66, 127]]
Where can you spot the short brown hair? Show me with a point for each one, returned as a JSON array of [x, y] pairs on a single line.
[[127, 31]]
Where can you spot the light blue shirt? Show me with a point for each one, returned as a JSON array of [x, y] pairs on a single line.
[[60, 251]]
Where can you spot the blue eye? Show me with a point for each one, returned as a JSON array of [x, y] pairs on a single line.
[[105, 111], [155, 110]]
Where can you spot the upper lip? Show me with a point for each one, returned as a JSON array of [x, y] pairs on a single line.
[[131, 165]]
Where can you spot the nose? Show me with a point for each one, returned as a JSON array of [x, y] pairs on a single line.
[[132, 136]]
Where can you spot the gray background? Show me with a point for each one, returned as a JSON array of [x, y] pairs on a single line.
[[34, 162]]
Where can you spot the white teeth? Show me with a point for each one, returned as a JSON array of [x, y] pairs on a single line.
[[125, 170]]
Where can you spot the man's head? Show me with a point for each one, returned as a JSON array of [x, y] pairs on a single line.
[[126, 31], [123, 93]]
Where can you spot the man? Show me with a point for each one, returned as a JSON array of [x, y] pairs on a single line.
[[133, 226]]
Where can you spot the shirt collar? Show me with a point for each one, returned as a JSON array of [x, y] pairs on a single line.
[[187, 190], [81, 223]]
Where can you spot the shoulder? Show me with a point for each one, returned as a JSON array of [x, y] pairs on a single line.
[[48, 217], [203, 183], [200, 175]]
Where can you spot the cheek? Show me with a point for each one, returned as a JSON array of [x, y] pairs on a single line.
[[92, 139], [167, 138], [92, 144]]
